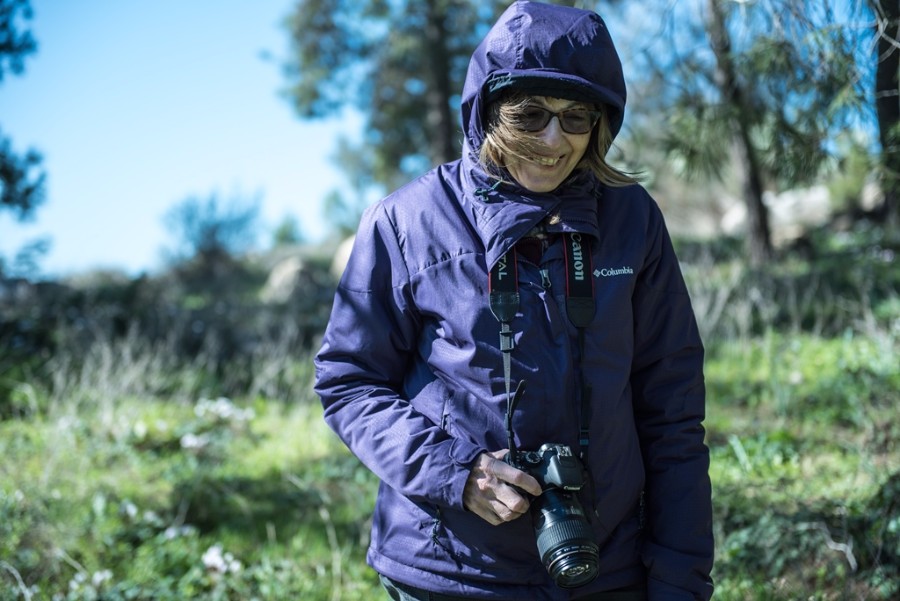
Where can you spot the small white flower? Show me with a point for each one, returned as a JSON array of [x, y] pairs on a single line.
[[129, 509], [216, 561], [193, 441], [77, 581], [173, 532], [222, 409], [99, 578], [245, 415], [234, 566], [213, 560], [151, 517]]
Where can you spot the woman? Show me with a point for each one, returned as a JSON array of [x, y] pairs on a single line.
[[522, 296]]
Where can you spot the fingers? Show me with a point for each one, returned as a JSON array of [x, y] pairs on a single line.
[[513, 476], [495, 505], [493, 489]]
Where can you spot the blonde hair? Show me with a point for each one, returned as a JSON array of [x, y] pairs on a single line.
[[504, 139]]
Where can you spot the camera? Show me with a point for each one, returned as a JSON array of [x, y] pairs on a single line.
[[564, 538]]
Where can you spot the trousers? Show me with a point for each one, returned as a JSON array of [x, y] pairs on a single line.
[[404, 592]]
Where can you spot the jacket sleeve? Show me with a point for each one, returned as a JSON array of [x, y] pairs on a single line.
[[669, 402], [368, 347]]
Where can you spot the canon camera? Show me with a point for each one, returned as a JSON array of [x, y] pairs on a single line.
[[564, 538]]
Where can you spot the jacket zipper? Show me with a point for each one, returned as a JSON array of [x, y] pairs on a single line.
[[545, 279]]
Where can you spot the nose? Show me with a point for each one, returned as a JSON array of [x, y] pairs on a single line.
[[553, 134]]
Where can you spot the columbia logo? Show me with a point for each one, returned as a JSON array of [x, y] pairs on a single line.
[[608, 273]]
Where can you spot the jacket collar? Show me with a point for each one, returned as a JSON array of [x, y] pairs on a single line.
[[502, 213]]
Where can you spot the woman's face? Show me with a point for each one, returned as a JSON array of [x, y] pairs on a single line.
[[555, 153]]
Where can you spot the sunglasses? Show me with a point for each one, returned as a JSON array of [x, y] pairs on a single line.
[[572, 121]]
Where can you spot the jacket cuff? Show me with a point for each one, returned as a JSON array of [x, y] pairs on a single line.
[[462, 455]]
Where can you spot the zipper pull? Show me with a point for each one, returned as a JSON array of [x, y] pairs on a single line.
[[545, 279]]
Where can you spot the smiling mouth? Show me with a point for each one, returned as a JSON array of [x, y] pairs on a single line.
[[546, 161]]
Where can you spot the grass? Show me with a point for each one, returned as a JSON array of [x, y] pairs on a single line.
[[144, 497], [126, 476], [137, 498], [803, 434]]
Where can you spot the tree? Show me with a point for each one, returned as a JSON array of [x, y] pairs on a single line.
[[887, 101], [287, 232], [759, 87], [401, 63], [209, 233], [734, 96], [21, 181], [15, 45]]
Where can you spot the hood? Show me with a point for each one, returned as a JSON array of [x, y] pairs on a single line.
[[546, 50]]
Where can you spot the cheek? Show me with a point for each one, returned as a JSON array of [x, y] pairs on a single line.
[[580, 147]]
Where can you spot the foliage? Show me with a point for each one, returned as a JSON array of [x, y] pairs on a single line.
[[790, 80], [756, 95], [130, 473], [141, 329], [26, 262], [21, 184], [287, 232], [21, 181], [209, 502], [15, 45], [801, 431], [795, 72], [401, 63], [207, 231], [825, 283]]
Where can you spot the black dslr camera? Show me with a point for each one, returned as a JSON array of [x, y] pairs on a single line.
[[564, 538]]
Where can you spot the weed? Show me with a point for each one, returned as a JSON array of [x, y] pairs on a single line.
[[133, 469]]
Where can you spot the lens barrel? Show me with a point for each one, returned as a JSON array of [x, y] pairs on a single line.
[[564, 539]]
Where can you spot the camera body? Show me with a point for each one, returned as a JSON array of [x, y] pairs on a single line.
[[553, 466], [565, 540]]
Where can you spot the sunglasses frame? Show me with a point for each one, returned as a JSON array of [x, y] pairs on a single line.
[[560, 117]]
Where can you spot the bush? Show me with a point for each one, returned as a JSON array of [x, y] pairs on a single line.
[[163, 442]]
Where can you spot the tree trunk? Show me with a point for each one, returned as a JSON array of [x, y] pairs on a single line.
[[440, 118], [887, 105], [759, 244]]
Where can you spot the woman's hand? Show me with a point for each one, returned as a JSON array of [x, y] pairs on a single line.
[[493, 489]]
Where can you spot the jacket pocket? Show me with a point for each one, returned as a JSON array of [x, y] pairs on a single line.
[[503, 553], [472, 419]]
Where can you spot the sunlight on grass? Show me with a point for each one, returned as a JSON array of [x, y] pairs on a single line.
[[127, 475]]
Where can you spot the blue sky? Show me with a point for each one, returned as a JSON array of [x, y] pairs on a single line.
[[139, 104]]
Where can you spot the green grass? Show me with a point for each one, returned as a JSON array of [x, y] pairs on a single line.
[[803, 434], [119, 480], [123, 497]]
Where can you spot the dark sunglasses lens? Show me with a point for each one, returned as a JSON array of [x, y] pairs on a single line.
[[573, 121], [576, 121], [534, 118]]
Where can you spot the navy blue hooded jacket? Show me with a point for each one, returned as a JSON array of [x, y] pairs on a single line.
[[411, 375]]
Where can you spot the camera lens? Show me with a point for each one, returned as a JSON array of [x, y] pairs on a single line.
[[564, 539]]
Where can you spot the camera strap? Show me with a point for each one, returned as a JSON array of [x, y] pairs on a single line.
[[503, 292], [503, 289]]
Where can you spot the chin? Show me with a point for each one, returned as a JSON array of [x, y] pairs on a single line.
[[539, 182], [539, 188]]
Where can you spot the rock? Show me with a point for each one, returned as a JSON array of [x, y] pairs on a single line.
[[284, 280]]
